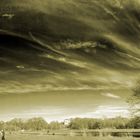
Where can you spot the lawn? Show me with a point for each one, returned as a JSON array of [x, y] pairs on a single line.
[[56, 137]]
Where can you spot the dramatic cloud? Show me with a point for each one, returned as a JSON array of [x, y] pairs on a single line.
[[110, 95], [80, 56], [108, 112]]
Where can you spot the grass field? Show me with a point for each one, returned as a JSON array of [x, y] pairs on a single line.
[[44, 137], [75, 135]]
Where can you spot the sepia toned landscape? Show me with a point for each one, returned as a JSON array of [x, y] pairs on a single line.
[[70, 69]]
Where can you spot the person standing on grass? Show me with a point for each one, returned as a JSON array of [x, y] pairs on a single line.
[[2, 135]]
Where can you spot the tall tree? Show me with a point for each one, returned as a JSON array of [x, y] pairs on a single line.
[[134, 100]]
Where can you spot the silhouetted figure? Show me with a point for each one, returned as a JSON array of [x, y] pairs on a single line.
[[3, 135]]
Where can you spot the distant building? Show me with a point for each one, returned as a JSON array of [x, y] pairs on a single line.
[[66, 121]]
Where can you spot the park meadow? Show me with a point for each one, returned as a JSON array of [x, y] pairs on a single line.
[[77, 128]]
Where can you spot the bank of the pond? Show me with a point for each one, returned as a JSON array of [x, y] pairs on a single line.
[[94, 133]]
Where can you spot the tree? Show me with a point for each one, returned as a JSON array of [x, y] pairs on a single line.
[[135, 123], [134, 100], [36, 124], [15, 124], [55, 125], [79, 123], [2, 125]]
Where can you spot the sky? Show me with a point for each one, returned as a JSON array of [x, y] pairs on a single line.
[[61, 105], [66, 59]]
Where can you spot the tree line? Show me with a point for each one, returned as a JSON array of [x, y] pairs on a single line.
[[37, 124], [33, 124], [112, 123]]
